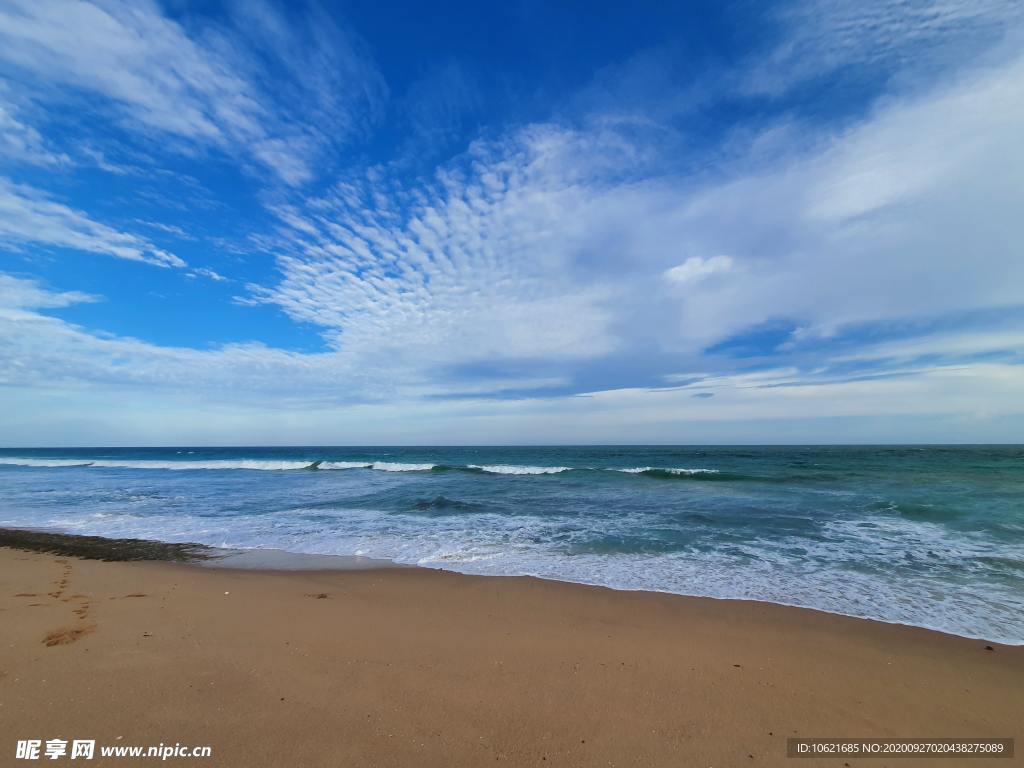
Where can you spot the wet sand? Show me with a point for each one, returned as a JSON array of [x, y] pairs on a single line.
[[410, 667]]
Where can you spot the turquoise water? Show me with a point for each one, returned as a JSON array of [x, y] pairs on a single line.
[[929, 536]]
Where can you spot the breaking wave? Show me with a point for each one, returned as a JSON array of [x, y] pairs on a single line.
[[658, 473], [931, 537], [512, 469], [152, 464], [684, 473], [322, 464]]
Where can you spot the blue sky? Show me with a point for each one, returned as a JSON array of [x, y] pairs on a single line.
[[526, 222]]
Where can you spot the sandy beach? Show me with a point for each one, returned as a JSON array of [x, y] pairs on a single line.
[[412, 667]]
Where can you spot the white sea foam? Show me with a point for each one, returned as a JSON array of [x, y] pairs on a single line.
[[223, 464], [152, 464], [381, 466], [270, 465], [671, 470], [267, 466], [879, 564], [512, 469], [394, 466], [19, 462], [862, 576]]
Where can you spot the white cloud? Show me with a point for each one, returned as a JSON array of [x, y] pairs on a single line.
[[203, 87], [948, 344], [20, 293], [965, 402], [21, 142], [696, 268], [822, 36], [252, 392], [543, 247], [81, 384], [913, 212], [28, 216], [168, 229], [474, 267], [209, 273], [555, 250], [38, 350]]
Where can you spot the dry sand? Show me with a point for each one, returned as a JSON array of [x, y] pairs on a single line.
[[408, 667]]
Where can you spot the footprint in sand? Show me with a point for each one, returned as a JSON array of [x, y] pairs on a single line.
[[65, 579], [68, 635]]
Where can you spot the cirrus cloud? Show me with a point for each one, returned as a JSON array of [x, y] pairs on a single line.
[[29, 216]]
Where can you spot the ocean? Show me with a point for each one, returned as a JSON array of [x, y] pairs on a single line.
[[931, 536]]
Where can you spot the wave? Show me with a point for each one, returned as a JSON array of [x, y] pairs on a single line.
[[255, 464], [698, 473], [703, 474], [252, 464], [222, 464], [153, 464], [18, 462], [394, 466], [382, 466], [513, 469]]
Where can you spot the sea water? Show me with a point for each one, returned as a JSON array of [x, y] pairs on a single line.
[[931, 536]]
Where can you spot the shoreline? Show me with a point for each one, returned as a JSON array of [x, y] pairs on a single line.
[[110, 549], [923, 538], [416, 666]]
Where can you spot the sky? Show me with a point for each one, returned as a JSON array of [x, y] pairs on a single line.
[[367, 222]]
